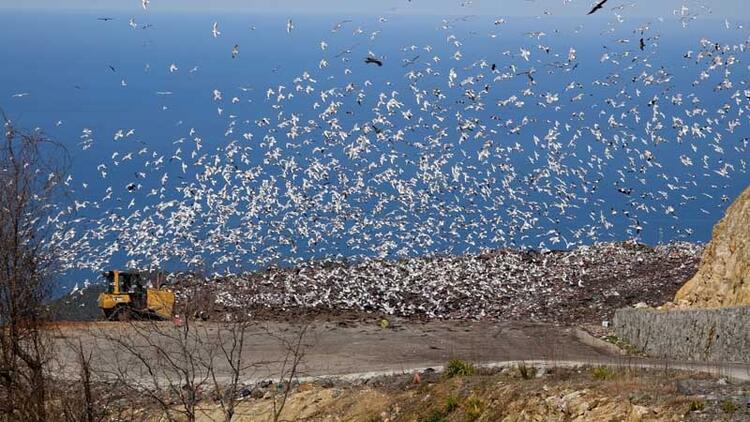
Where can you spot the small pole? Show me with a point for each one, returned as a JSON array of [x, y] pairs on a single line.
[[661, 236]]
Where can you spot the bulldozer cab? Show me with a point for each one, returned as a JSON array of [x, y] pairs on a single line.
[[127, 283], [122, 282], [135, 294]]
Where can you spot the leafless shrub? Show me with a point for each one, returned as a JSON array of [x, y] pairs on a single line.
[[80, 394], [168, 363], [180, 367], [32, 171], [80, 405], [294, 354], [232, 335]]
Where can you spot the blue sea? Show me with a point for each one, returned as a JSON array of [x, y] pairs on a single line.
[[87, 79]]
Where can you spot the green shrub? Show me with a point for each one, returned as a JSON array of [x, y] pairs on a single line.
[[434, 416], [526, 372], [697, 405], [451, 404], [474, 407], [458, 368], [623, 345], [728, 406], [603, 373]]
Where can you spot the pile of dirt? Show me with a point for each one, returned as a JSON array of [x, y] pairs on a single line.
[[723, 278], [515, 394], [583, 285]]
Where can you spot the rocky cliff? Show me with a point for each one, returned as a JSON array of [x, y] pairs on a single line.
[[723, 278]]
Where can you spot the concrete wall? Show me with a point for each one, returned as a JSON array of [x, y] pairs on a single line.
[[709, 335]]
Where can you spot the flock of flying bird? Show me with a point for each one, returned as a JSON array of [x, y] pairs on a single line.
[[528, 146], [584, 285]]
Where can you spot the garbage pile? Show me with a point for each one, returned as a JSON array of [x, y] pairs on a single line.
[[584, 285]]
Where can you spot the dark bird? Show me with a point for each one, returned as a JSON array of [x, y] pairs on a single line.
[[410, 62], [624, 191], [597, 7], [643, 44], [373, 60], [529, 74], [112, 68], [105, 19]]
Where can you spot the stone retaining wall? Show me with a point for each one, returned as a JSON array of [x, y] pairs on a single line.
[[707, 335]]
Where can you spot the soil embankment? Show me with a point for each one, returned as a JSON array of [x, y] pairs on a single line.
[[723, 278]]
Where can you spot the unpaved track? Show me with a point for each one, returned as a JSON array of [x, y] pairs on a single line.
[[332, 349]]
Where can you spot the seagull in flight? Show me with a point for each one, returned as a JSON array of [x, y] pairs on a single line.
[[597, 7], [105, 19], [144, 3], [373, 60], [215, 30]]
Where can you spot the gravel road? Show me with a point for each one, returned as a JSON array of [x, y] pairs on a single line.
[[331, 349]]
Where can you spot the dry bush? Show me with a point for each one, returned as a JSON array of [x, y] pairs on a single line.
[[32, 189]]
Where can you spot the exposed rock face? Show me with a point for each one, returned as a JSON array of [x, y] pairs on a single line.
[[723, 278]]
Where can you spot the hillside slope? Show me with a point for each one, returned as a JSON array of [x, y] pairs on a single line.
[[80, 306], [723, 278]]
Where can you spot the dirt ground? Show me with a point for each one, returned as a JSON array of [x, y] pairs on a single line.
[[514, 394], [365, 371], [332, 348], [591, 394]]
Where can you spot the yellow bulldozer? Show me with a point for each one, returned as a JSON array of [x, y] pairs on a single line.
[[136, 295]]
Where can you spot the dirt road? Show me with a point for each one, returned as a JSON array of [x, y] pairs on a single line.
[[332, 349]]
